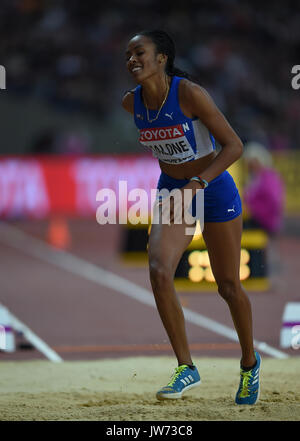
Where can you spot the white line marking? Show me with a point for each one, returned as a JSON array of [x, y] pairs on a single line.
[[38, 343], [16, 238]]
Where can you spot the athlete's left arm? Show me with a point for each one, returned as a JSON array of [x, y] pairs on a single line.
[[197, 102]]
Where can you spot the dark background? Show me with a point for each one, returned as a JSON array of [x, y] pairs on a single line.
[[66, 73]]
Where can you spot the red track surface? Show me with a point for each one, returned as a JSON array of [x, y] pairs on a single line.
[[81, 320]]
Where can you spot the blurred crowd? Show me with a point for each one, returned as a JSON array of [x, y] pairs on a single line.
[[72, 54]]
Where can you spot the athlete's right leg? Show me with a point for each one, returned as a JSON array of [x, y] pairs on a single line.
[[166, 246]]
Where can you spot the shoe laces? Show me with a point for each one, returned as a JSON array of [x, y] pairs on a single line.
[[245, 378], [178, 371]]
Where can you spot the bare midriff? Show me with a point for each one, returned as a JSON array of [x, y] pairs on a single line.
[[188, 169]]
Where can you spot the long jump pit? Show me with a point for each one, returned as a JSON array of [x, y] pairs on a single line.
[[123, 389]]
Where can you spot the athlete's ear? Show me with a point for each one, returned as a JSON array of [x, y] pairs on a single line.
[[162, 58]]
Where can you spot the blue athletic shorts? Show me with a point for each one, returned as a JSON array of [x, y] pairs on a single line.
[[222, 201]]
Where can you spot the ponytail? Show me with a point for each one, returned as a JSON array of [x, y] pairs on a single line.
[[165, 45], [178, 72]]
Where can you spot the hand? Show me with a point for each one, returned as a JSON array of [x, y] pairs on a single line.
[[175, 207]]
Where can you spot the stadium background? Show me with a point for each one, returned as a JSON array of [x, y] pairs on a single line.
[[64, 136]]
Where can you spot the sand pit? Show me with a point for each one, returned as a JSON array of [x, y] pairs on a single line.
[[124, 390]]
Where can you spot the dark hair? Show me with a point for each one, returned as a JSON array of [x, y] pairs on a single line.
[[165, 45]]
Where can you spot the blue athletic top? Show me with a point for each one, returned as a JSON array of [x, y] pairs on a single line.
[[173, 137]]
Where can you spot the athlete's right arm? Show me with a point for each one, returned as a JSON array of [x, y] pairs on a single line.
[[128, 102]]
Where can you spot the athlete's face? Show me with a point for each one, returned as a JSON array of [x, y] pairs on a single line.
[[142, 59]]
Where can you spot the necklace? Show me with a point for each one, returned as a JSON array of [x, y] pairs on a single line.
[[162, 104]]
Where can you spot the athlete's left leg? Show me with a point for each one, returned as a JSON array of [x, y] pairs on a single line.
[[223, 241]]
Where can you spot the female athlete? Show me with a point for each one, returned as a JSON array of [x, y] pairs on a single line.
[[166, 99]]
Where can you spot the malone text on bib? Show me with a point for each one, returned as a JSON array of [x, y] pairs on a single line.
[[168, 143]]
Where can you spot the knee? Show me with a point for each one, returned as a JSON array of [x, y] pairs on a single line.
[[229, 290], [160, 275]]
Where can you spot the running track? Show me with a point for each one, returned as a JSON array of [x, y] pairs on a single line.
[[83, 319]]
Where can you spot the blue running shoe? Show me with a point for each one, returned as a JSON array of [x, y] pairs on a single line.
[[183, 379], [248, 391]]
